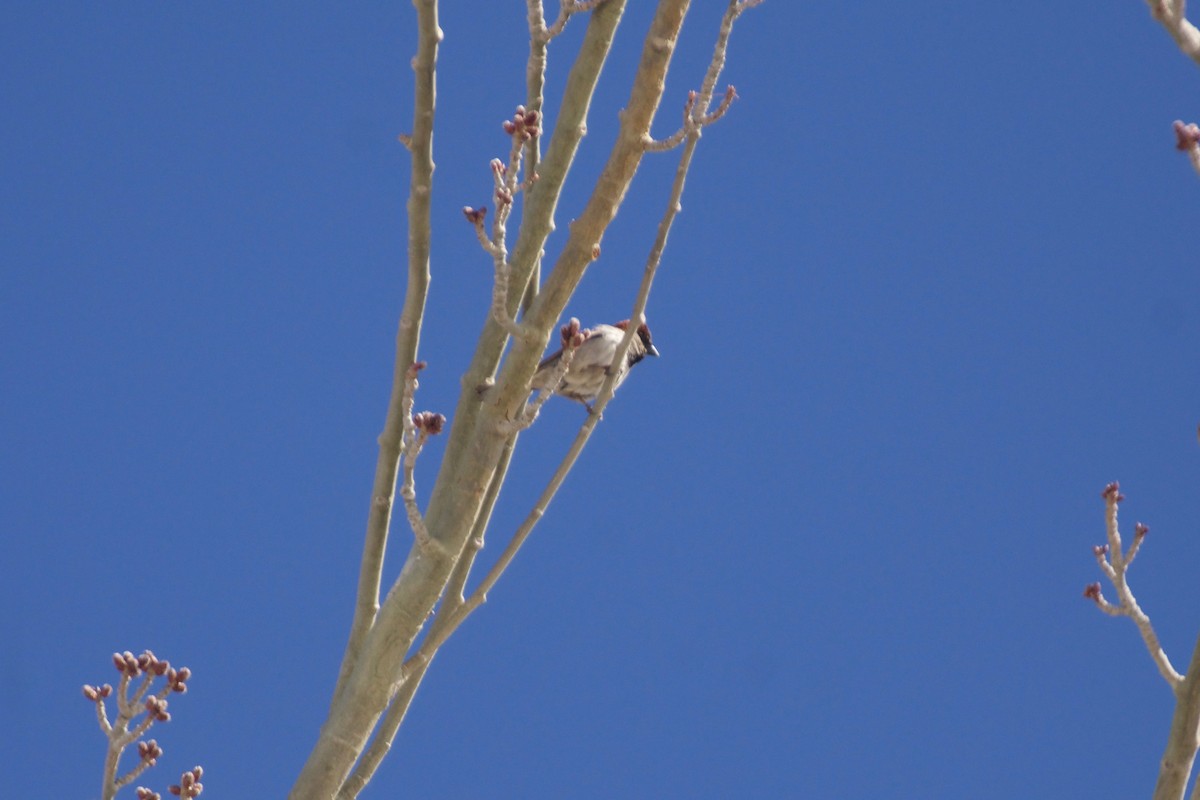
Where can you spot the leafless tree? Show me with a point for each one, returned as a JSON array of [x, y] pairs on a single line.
[[386, 656], [395, 635]]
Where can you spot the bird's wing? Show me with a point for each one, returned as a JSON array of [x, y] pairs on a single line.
[[550, 360]]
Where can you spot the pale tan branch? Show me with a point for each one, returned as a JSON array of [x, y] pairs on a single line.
[[572, 337], [696, 114], [537, 222], [377, 677], [453, 617], [118, 732], [1180, 753], [523, 128], [1114, 564], [385, 734], [567, 9], [692, 123], [417, 430], [1171, 14], [379, 517]]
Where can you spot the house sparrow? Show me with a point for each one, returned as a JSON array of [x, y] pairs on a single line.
[[589, 365]]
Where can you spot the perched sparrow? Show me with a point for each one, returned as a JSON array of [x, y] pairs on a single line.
[[589, 365]]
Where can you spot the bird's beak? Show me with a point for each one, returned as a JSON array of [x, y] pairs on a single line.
[[652, 350]]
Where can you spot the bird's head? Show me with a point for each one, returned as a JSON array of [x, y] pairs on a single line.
[[643, 332]]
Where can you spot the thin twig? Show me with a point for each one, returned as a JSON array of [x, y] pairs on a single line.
[[1172, 15], [379, 517], [417, 430], [523, 128], [572, 337], [567, 9], [119, 733], [385, 734], [1114, 564], [417, 663], [393, 718], [692, 122], [537, 223]]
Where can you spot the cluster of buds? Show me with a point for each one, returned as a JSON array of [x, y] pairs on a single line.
[[1187, 135], [524, 124], [572, 335], [149, 751], [156, 708], [475, 215], [147, 662], [424, 423], [131, 666], [429, 423], [1112, 561], [189, 784], [134, 700], [96, 693]]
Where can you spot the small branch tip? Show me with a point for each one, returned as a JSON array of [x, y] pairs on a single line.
[[1187, 135]]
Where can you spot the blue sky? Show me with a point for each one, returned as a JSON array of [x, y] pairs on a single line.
[[934, 284]]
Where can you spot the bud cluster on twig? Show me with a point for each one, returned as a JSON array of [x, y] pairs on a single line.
[[1114, 562], [417, 430], [522, 128], [693, 120], [1187, 139], [571, 336], [138, 708]]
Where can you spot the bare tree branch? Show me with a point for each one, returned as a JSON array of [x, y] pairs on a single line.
[[381, 671], [455, 616], [123, 730], [408, 335], [467, 465], [1183, 742], [1171, 14], [1114, 564]]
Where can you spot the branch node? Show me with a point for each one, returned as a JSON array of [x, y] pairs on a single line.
[[1114, 565], [417, 430]]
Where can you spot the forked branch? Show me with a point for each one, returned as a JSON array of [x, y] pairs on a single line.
[[379, 519], [137, 710], [1114, 564], [1180, 752], [417, 430], [451, 617]]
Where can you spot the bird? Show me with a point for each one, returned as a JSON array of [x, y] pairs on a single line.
[[591, 361]]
